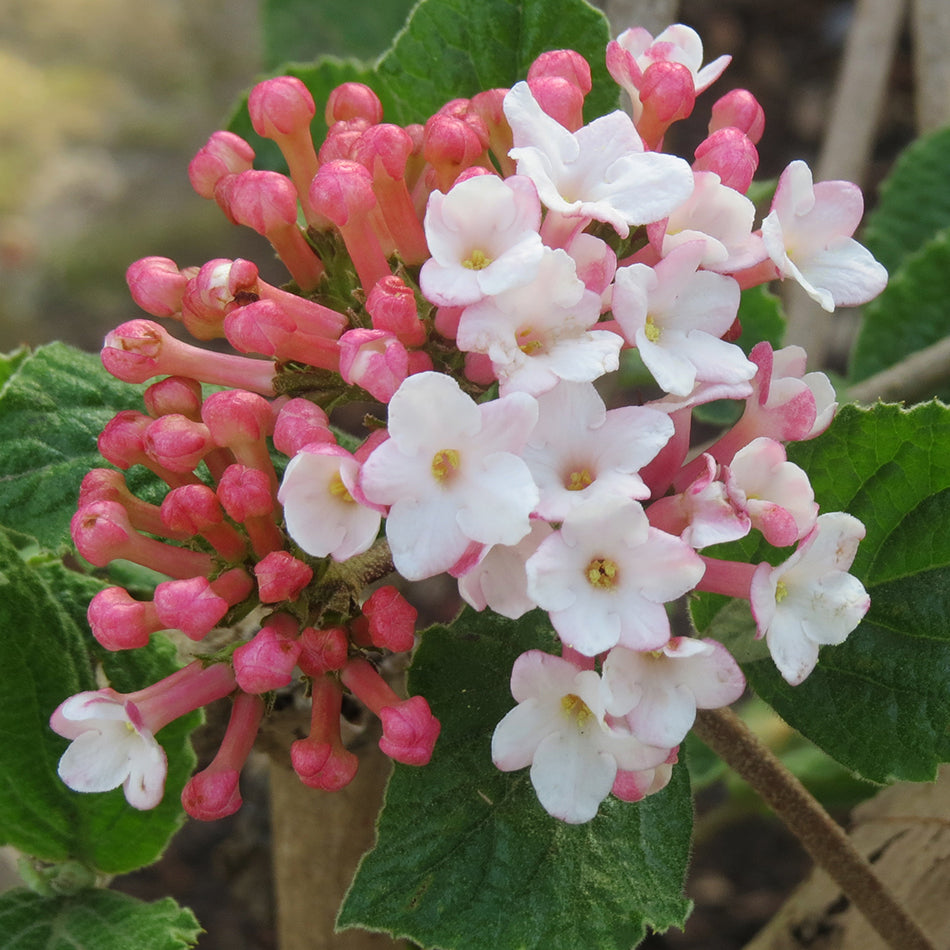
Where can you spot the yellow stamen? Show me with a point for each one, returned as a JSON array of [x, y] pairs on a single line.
[[781, 592], [574, 706], [338, 489], [602, 573], [477, 260], [579, 480], [651, 330], [444, 464]]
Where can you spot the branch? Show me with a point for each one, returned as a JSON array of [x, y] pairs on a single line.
[[732, 740], [913, 379]]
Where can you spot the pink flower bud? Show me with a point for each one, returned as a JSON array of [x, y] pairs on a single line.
[[322, 650], [321, 760], [342, 141], [479, 369], [223, 154], [245, 493], [738, 109], [189, 605], [391, 620], [177, 443], [565, 63], [374, 360], [560, 99], [343, 191], [409, 731], [217, 287], [392, 306], [299, 423], [102, 533], [265, 327], [731, 155], [106, 484], [267, 661], [353, 100], [450, 146], [213, 793], [447, 321], [175, 395], [195, 509], [280, 106], [122, 442], [668, 94], [141, 349], [156, 285], [409, 728], [267, 202], [119, 622], [280, 577], [488, 106]]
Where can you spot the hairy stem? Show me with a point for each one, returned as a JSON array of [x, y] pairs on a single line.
[[732, 740]]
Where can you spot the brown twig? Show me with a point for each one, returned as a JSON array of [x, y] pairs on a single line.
[[732, 740]]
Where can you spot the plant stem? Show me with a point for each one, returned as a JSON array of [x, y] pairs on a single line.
[[732, 740]]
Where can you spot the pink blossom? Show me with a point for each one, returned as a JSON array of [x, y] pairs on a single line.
[[808, 236], [810, 599]]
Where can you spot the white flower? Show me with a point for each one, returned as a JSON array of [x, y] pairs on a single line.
[[810, 599], [659, 691], [676, 316], [600, 172], [579, 450], [559, 728], [319, 493], [111, 746], [540, 333], [605, 576], [483, 237], [451, 474], [808, 236]]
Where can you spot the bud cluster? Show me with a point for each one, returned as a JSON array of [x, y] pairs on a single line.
[[477, 275]]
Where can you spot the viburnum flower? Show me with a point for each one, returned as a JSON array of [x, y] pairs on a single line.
[[807, 233], [659, 691], [559, 728], [600, 172], [810, 599], [483, 236], [676, 316], [319, 493], [450, 474], [543, 332], [605, 576], [579, 450]]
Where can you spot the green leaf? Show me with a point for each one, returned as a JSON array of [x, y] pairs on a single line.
[[914, 202], [47, 654], [453, 49], [10, 362], [94, 920], [910, 314], [52, 409], [466, 857], [301, 29], [880, 702]]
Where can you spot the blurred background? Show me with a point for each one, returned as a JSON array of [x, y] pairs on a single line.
[[105, 102]]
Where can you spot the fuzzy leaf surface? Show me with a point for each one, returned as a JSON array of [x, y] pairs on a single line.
[[52, 408], [466, 858], [93, 920], [880, 702], [47, 654]]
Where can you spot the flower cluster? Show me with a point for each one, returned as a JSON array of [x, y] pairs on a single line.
[[477, 274]]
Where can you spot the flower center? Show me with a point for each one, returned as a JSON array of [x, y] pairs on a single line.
[[574, 706], [445, 462], [651, 330], [338, 489], [526, 344], [602, 573], [579, 480], [781, 592], [477, 260]]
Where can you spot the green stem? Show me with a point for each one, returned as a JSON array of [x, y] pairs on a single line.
[[732, 740]]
